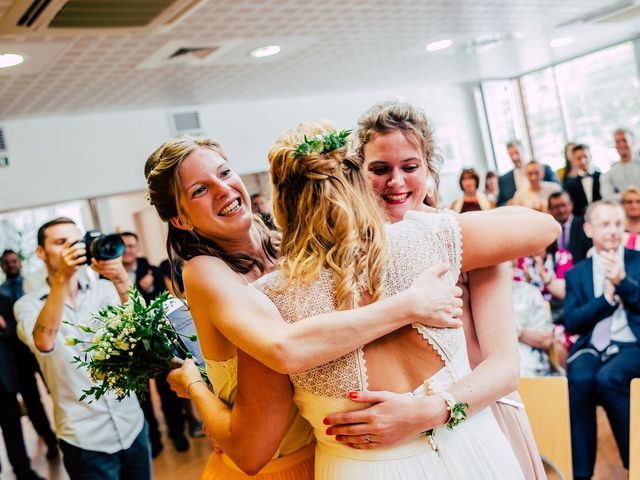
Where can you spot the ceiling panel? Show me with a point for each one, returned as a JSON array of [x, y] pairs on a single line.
[[347, 45]]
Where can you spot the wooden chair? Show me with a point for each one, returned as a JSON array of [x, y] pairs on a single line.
[[546, 400], [634, 431]]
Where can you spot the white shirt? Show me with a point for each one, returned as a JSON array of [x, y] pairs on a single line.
[[106, 425], [587, 186], [520, 179], [537, 200], [619, 178], [620, 330]]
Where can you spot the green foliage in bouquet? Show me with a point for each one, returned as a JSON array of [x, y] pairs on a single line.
[[131, 344]]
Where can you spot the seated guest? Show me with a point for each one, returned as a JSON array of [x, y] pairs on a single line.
[[631, 206], [472, 200], [603, 307], [584, 189], [568, 171], [624, 173], [572, 238], [491, 187], [516, 179], [536, 193], [535, 330]]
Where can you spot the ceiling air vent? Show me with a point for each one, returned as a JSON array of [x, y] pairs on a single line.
[[185, 123], [91, 16]]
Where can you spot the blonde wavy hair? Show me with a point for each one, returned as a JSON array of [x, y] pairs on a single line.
[[328, 216]]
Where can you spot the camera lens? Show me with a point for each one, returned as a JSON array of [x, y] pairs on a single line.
[[107, 247]]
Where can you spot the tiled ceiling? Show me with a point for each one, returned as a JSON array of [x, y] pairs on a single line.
[[328, 46]]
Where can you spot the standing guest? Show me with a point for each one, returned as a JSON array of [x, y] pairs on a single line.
[[472, 200], [603, 307], [143, 275], [173, 277], [568, 171], [516, 179], [105, 439], [12, 268], [631, 206], [536, 193], [624, 173], [260, 207], [26, 365], [584, 188], [491, 187], [150, 281], [9, 408]]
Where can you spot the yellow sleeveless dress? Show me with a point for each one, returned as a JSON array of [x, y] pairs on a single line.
[[294, 459]]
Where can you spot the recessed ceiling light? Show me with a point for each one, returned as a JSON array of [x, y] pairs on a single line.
[[439, 45], [10, 60], [266, 51], [518, 35], [561, 41]]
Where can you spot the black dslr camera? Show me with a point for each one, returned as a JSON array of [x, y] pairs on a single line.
[[103, 247]]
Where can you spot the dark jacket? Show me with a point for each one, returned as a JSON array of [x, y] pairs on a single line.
[[8, 381], [574, 188], [579, 243], [143, 266], [582, 311], [507, 184]]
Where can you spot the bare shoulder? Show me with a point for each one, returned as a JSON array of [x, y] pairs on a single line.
[[207, 272]]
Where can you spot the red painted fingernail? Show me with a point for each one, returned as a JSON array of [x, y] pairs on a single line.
[[353, 395], [326, 421], [328, 432], [339, 438]]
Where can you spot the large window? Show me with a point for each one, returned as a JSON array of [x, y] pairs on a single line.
[[582, 100]]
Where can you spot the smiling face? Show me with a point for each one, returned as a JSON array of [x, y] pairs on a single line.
[[631, 204], [606, 227], [213, 199], [395, 169]]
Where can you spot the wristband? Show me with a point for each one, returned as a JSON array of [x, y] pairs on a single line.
[[457, 411], [191, 385]]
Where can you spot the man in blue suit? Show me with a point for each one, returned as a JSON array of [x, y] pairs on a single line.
[[602, 305], [515, 179]]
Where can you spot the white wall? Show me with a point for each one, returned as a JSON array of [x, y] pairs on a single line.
[[61, 158]]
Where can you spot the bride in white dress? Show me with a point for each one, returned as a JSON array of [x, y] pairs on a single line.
[[336, 253]]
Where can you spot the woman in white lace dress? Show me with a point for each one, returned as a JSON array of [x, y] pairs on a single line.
[[334, 256], [396, 149]]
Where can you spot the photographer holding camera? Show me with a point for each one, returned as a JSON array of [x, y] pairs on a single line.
[[105, 439]]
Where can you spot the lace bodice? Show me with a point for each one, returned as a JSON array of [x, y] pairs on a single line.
[[420, 241]]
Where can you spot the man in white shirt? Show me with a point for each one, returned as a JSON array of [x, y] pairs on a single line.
[[105, 439], [624, 173], [602, 305]]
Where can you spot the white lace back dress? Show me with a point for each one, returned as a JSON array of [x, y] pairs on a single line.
[[477, 449]]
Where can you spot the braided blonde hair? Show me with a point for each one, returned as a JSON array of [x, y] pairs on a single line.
[[328, 216]]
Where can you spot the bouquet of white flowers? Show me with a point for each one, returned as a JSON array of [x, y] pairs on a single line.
[[131, 344]]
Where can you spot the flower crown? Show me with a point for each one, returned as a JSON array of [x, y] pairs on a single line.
[[322, 143]]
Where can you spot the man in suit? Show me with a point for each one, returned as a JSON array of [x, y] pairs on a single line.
[[150, 282], [516, 179], [603, 307], [9, 408], [585, 188], [572, 236]]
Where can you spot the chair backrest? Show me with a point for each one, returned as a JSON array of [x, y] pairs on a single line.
[[634, 431], [546, 400]]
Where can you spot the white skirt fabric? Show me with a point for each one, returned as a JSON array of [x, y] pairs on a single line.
[[475, 450]]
